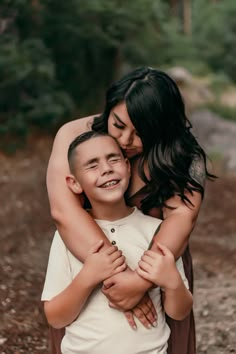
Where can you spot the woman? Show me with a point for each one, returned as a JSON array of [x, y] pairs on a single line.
[[144, 111]]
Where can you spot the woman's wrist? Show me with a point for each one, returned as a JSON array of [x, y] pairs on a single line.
[[142, 283]]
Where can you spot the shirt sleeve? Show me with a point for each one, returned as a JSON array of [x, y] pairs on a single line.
[[58, 274]]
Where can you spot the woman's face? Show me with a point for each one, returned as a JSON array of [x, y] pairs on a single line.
[[123, 130]]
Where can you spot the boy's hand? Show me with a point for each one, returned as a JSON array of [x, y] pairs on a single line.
[[99, 266], [159, 267]]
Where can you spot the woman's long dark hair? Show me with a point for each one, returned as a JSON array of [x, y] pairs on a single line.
[[157, 111]]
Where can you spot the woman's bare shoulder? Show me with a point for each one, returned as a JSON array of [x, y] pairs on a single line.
[[74, 128]]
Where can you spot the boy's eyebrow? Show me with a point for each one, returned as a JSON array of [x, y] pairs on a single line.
[[113, 154], [118, 118]]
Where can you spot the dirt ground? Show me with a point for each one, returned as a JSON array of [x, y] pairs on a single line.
[[26, 233]]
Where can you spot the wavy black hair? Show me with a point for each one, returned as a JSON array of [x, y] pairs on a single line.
[[156, 109]]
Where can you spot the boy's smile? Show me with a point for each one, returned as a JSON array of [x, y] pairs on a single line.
[[109, 184]]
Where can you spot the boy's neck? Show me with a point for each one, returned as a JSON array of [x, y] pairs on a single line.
[[111, 211]]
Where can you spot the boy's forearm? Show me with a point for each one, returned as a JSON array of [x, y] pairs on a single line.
[[65, 307], [177, 302]]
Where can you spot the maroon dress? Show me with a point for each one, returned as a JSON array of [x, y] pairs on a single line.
[[182, 338]]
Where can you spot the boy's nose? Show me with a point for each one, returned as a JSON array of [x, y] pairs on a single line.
[[105, 168]]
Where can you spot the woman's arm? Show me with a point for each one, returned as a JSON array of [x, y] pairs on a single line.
[[180, 219], [178, 223], [76, 227]]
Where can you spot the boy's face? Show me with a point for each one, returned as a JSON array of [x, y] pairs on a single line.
[[100, 171]]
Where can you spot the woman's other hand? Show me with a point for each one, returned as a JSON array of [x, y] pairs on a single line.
[[144, 311]]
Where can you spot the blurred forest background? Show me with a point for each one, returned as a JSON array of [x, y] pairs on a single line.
[[57, 59]]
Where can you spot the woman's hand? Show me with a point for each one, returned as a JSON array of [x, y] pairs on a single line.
[[125, 290], [144, 311]]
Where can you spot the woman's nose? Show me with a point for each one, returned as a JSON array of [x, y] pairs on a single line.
[[125, 139]]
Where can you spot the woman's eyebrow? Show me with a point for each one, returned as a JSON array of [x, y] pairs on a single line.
[[118, 118]]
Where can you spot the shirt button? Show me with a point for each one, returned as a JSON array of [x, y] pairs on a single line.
[[113, 243], [113, 230]]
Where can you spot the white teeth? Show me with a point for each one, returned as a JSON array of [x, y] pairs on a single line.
[[109, 184]]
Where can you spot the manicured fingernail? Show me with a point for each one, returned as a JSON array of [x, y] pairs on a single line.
[[149, 326], [154, 324], [134, 327]]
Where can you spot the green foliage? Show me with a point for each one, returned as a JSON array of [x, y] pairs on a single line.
[[29, 90], [59, 57], [214, 34], [96, 37], [175, 48]]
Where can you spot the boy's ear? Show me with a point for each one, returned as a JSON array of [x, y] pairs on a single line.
[[73, 184]]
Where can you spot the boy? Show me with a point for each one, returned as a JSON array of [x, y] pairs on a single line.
[[72, 291]]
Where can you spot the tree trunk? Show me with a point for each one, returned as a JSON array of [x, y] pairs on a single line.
[[187, 17], [174, 7]]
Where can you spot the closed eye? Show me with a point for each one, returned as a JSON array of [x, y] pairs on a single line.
[[115, 159], [118, 126], [91, 167], [118, 122]]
